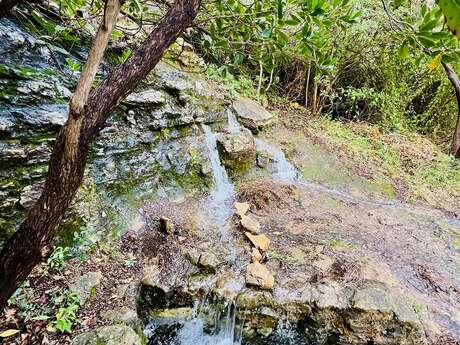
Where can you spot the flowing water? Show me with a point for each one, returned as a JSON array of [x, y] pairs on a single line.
[[233, 124], [282, 169], [214, 322], [218, 208]]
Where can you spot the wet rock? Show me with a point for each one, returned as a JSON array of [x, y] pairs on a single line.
[[109, 335], [250, 224], [123, 315], [253, 299], [261, 242], [167, 226], [241, 208], [258, 275], [209, 262], [229, 285], [205, 260], [237, 150], [12, 155], [85, 286], [30, 195], [145, 98], [176, 313], [252, 115]]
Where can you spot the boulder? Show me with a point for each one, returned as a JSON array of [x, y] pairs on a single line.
[[252, 115], [261, 242], [109, 335], [85, 286], [250, 224], [259, 275], [237, 150]]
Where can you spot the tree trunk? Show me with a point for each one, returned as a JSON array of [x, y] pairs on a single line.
[[455, 80], [6, 6], [30, 243]]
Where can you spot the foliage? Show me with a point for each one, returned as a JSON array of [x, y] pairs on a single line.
[[66, 316], [58, 258], [258, 38], [234, 85]]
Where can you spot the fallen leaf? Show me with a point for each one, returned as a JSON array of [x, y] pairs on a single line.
[[9, 333]]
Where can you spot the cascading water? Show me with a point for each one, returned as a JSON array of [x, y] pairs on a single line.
[[233, 124], [213, 323], [283, 170], [218, 207]]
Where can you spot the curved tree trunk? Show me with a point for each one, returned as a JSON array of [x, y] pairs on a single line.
[[6, 6], [29, 245], [455, 80]]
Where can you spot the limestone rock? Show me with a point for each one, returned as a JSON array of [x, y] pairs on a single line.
[[30, 195], [209, 262], [109, 335], [241, 208], [176, 313], [252, 115], [258, 275], [261, 242], [123, 315], [145, 98], [205, 260], [250, 224], [85, 286], [237, 150], [255, 255], [166, 226]]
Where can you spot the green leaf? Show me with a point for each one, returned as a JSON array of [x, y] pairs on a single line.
[[403, 51], [451, 10], [266, 33]]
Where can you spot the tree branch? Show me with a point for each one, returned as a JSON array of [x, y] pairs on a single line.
[[24, 250]]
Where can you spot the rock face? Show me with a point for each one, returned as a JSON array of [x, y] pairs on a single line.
[[252, 115], [109, 335], [258, 275], [237, 150], [151, 143]]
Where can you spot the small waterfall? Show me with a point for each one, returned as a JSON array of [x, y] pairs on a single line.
[[214, 323], [283, 170], [233, 124], [218, 208]]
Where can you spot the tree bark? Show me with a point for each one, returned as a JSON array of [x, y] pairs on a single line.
[[455, 81], [27, 247], [6, 6]]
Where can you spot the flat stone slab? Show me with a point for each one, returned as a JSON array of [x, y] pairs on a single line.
[[252, 115]]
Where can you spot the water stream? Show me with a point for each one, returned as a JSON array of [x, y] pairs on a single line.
[[218, 207], [213, 323], [282, 169]]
